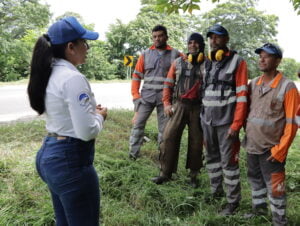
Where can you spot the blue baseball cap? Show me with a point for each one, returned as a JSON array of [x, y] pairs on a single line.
[[69, 29], [217, 29], [270, 49]]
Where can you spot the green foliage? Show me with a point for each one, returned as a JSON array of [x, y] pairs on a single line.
[[296, 5], [97, 66], [134, 37], [248, 28], [290, 68], [19, 19], [128, 196], [171, 6], [21, 23]]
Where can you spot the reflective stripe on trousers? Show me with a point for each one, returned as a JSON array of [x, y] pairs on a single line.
[[137, 132], [266, 177], [222, 161]]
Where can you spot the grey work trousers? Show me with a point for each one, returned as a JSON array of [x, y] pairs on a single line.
[[222, 155], [266, 177], [137, 133], [184, 114]]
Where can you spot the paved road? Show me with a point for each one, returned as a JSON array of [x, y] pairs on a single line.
[[15, 104]]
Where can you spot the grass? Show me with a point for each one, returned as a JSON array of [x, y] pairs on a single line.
[[128, 196]]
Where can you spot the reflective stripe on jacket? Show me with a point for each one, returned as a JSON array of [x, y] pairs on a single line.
[[152, 66], [226, 102], [298, 115], [181, 67], [271, 123]]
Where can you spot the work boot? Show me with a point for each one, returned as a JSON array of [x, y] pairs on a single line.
[[194, 182], [229, 209], [162, 178], [256, 212], [133, 156]]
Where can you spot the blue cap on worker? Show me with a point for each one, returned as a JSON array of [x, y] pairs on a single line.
[[217, 29], [270, 49], [69, 29]]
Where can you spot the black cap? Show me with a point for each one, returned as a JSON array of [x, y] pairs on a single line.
[[270, 49], [196, 37], [217, 29]]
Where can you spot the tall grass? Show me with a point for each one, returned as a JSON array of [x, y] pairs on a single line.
[[128, 197]]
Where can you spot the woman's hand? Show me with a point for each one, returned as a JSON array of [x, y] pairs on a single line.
[[101, 111]]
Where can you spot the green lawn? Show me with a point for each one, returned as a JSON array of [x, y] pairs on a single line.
[[128, 196]]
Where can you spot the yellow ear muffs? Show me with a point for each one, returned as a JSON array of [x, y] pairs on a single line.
[[218, 55], [209, 56], [200, 58], [190, 58]]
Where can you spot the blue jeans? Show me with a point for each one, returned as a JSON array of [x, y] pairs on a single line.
[[66, 166]]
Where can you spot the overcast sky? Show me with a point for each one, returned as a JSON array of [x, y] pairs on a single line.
[[102, 13]]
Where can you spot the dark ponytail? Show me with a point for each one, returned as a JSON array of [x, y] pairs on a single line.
[[41, 68], [40, 73]]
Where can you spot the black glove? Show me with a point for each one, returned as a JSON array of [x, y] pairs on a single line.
[[137, 103]]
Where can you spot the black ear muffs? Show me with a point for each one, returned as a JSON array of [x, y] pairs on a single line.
[[200, 57], [218, 56]]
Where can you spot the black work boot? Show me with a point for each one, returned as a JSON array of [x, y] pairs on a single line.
[[133, 156], [162, 178], [194, 182], [229, 209]]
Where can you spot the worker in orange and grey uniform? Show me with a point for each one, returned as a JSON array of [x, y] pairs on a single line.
[[270, 130], [182, 102], [298, 116], [298, 111], [152, 66], [223, 114]]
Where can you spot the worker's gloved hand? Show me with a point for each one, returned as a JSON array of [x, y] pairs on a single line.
[[232, 133], [169, 110], [137, 103]]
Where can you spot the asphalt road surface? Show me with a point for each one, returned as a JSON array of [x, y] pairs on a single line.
[[15, 104]]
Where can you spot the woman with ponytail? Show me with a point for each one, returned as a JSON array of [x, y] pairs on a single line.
[[73, 120]]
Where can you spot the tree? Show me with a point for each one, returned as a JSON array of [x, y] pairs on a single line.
[[134, 37], [247, 27], [171, 6], [296, 5], [97, 66], [289, 67], [19, 19]]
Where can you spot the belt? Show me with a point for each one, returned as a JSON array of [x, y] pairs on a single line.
[[58, 137]]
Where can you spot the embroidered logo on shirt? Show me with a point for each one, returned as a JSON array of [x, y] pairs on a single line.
[[83, 99]]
